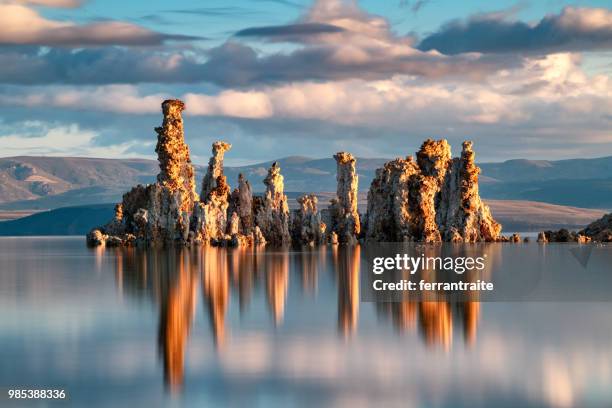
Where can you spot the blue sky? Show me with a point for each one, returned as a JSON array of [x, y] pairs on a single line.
[[294, 77]]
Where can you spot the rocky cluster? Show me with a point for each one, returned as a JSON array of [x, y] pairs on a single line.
[[170, 211], [432, 199], [597, 231]]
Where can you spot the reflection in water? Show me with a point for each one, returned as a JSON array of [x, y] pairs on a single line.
[[435, 319], [171, 278], [215, 289], [347, 260], [244, 269], [176, 314], [277, 283], [311, 259], [107, 326]]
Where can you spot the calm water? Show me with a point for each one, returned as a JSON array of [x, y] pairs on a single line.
[[206, 327]]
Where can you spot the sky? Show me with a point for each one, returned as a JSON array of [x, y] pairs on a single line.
[[522, 79]]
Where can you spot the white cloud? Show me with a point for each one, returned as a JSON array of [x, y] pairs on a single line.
[[549, 107], [554, 83], [21, 25], [57, 140], [46, 3]]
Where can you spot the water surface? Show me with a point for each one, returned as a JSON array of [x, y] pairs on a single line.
[[207, 326]]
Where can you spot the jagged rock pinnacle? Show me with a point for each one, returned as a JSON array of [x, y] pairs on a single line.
[[345, 218], [215, 168]]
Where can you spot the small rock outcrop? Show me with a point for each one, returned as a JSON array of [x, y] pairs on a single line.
[[597, 231], [433, 199], [345, 222], [271, 210], [600, 230], [307, 227], [562, 235]]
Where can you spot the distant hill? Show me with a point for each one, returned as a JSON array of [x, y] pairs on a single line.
[[61, 221], [514, 216], [38, 183], [31, 178], [517, 215], [543, 170], [587, 193]]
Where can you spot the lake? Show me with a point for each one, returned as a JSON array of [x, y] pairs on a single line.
[[212, 326]]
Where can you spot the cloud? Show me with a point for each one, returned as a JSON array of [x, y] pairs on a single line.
[[21, 25], [574, 29], [215, 11], [415, 6], [57, 140], [548, 107], [113, 98], [289, 30], [338, 87], [334, 40], [47, 3], [233, 64], [537, 91]]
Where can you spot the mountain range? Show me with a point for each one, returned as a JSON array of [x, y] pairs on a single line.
[[40, 183]]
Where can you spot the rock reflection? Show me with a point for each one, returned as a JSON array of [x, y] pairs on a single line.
[[435, 316], [310, 260], [171, 278], [277, 283], [176, 315], [347, 260], [215, 290], [434, 319]]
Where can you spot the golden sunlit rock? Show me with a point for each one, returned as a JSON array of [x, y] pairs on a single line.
[[434, 199]]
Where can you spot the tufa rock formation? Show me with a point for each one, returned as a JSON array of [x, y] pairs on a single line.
[[169, 211], [272, 211], [345, 223], [431, 200], [209, 221], [241, 203], [461, 214], [387, 218], [176, 171], [307, 227], [215, 167], [159, 212], [210, 217]]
